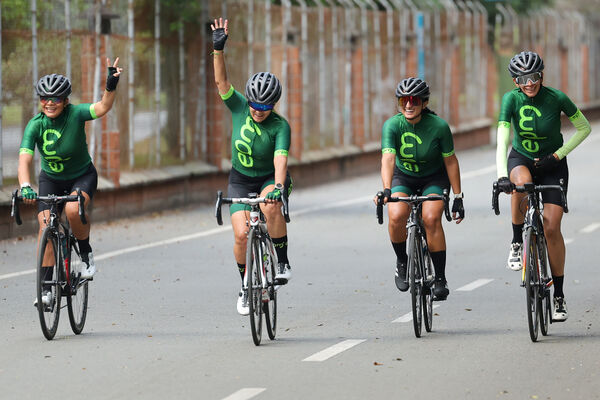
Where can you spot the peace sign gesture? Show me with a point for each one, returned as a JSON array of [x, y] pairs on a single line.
[[113, 74]]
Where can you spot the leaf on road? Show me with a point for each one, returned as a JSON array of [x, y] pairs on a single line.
[[468, 309], [398, 359], [320, 324], [376, 363]]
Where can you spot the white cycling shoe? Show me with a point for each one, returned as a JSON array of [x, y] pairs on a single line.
[[88, 267], [242, 302], [559, 312], [515, 257]]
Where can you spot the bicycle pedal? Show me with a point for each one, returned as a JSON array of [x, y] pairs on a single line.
[[280, 281]]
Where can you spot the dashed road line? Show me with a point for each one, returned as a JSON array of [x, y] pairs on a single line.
[[245, 394], [474, 285], [408, 316], [591, 227], [334, 350]]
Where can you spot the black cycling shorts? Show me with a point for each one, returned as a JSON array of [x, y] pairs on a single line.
[[87, 182], [421, 185], [561, 171], [241, 185]]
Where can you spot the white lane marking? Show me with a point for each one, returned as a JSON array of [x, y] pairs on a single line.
[[15, 274], [408, 316], [591, 227], [334, 350], [244, 394], [479, 172], [345, 203], [474, 285], [569, 240]]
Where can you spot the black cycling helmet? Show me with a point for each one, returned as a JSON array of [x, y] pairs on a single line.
[[526, 62], [263, 88], [53, 85], [413, 87]]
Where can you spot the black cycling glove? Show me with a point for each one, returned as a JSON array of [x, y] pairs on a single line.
[[547, 163], [457, 207], [111, 80], [387, 193], [505, 185], [219, 38]]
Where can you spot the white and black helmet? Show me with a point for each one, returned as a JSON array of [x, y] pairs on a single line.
[[526, 62], [263, 88], [53, 85], [413, 87]]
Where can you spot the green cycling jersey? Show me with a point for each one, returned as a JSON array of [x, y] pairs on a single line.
[[420, 148], [536, 120], [253, 145], [61, 141]]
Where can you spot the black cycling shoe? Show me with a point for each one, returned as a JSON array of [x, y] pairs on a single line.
[[440, 291], [401, 281]]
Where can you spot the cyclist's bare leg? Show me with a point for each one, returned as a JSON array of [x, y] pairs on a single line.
[[556, 245], [49, 254], [398, 215], [519, 175], [80, 230], [432, 219], [275, 220], [240, 230]]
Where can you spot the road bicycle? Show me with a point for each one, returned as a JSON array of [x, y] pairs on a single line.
[[261, 264], [57, 238], [536, 276], [421, 273]]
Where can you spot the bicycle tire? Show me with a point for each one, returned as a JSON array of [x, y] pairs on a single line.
[[270, 305], [77, 298], [428, 279], [253, 265], [415, 284], [49, 316], [531, 283], [544, 306]]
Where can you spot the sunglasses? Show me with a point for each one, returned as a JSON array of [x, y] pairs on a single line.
[[414, 100], [261, 107], [533, 78], [55, 100]]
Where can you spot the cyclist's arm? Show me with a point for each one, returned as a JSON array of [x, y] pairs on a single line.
[[280, 162], [223, 84], [25, 160], [502, 142], [103, 106], [583, 130], [388, 161], [453, 170]]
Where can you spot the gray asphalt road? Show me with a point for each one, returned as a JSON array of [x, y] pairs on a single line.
[[162, 321]]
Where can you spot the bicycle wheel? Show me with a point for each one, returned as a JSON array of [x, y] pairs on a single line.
[[531, 282], [428, 279], [77, 298], [253, 266], [270, 303], [414, 269], [49, 314], [545, 282]]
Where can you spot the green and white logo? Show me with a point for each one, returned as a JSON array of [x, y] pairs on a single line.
[[243, 146], [530, 141]]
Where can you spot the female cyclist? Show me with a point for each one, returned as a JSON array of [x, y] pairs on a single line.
[[58, 131], [418, 158], [538, 155], [259, 149]]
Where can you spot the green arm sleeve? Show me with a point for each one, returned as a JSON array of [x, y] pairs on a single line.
[[234, 100], [388, 144], [282, 141], [29, 137], [503, 139], [583, 130], [446, 141]]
